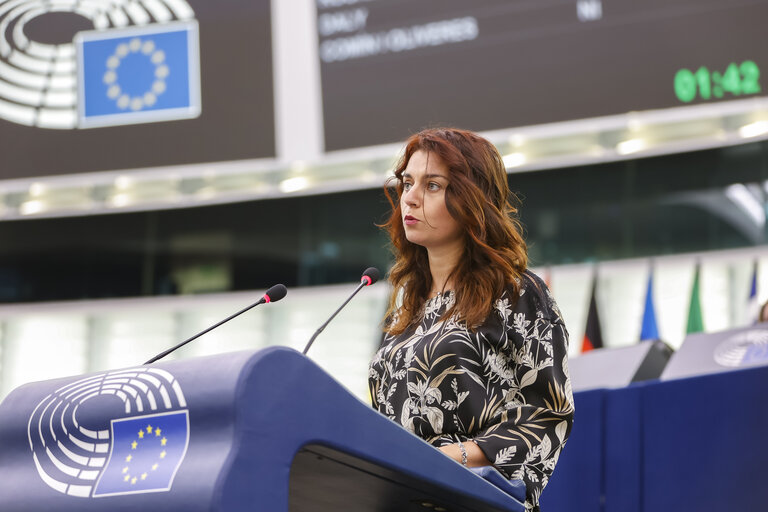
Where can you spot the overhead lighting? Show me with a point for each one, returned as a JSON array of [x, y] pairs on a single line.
[[123, 182], [120, 200], [517, 139], [31, 207], [634, 123], [755, 129], [627, 147], [514, 160], [37, 189], [293, 184]]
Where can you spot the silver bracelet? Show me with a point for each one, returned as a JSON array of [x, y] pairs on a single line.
[[463, 454]]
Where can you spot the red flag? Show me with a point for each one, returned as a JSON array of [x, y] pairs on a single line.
[[593, 336]]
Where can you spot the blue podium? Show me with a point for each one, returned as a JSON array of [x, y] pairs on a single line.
[[685, 445], [257, 431]]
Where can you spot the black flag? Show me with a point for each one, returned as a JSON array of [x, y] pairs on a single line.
[[593, 336]]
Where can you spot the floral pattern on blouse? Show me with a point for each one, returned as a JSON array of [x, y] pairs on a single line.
[[504, 386]]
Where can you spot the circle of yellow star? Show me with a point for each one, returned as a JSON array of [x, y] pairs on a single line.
[[146, 431]]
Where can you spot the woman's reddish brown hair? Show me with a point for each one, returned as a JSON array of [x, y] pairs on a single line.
[[478, 197]]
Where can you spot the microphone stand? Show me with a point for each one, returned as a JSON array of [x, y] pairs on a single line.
[[277, 292], [362, 285]]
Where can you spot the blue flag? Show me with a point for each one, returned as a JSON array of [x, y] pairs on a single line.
[[649, 331], [145, 454], [753, 307], [138, 75]]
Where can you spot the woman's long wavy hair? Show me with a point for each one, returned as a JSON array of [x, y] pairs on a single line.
[[478, 197]]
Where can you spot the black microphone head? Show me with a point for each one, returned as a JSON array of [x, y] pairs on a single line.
[[276, 293], [371, 275]]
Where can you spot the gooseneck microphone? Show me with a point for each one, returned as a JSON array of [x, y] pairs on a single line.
[[274, 294], [370, 276]]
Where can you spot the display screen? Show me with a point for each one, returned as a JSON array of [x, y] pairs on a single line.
[[96, 86], [391, 67]]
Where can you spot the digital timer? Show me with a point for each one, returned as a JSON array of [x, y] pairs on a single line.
[[737, 80]]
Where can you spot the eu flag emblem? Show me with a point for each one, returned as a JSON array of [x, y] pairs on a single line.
[[138, 75], [145, 454]]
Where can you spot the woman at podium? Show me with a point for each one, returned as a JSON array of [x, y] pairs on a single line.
[[475, 354]]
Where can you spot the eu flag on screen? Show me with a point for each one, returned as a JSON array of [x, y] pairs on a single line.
[[138, 75], [145, 454]]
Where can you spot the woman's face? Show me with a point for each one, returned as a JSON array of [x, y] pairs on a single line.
[[426, 219]]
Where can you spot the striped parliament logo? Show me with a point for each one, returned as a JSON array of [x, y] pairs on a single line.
[[115, 433]]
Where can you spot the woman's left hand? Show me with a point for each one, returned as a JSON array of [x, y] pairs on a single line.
[[475, 456]]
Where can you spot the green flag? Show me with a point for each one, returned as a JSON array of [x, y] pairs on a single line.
[[695, 320]]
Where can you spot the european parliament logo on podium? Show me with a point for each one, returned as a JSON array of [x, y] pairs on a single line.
[[115, 433], [138, 75]]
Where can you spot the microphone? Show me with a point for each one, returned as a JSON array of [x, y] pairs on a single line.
[[370, 276], [274, 294]]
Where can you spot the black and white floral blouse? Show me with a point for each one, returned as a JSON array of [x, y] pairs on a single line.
[[504, 386]]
